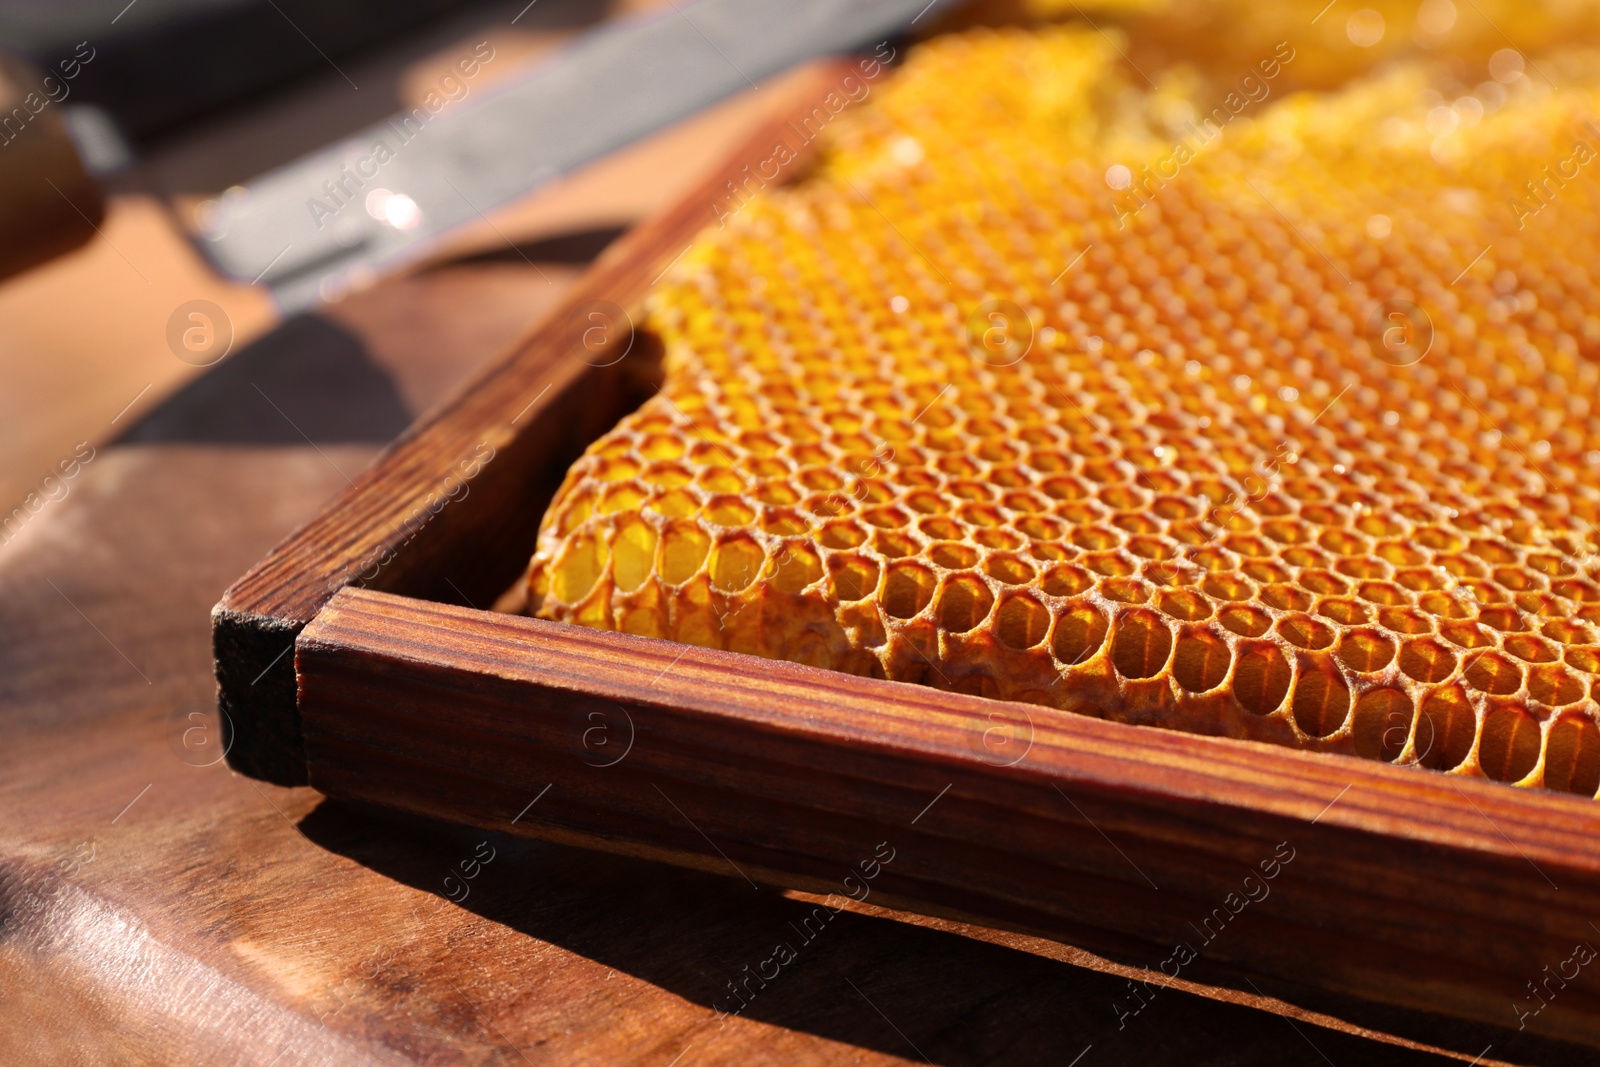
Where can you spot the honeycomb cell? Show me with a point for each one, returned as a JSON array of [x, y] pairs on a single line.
[[1125, 590], [720, 479], [684, 548], [885, 518], [1321, 698], [853, 577], [1446, 729], [624, 497], [1201, 661], [1022, 622], [1583, 659], [1287, 598], [1445, 605], [1572, 756], [1465, 634], [964, 602], [841, 534], [1366, 650], [730, 511], [1529, 648], [795, 567], [1490, 672], [1554, 687], [775, 493], [1345, 610], [616, 469], [1003, 540], [1426, 660], [1302, 631], [1206, 495], [1228, 587], [1064, 581], [1421, 579], [1509, 748], [907, 590], [1380, 724], [633, 551], [1568, 632], [1245, 620], [1260, 679], [1184, 604], [1505, 619], [1080, 631], [1008, 569], [954, 556], [1140, 644], [735, 563]]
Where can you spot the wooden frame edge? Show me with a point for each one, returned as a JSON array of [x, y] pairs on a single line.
[[465, 715]]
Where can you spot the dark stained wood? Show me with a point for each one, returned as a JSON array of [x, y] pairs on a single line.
[[1407, 886]]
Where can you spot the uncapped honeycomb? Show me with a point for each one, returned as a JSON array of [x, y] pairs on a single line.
[[1032, 390]]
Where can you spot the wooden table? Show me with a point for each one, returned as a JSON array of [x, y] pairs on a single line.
[[157, 908]]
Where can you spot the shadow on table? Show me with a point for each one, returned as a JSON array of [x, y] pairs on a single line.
[[574, 248], [871, 982], [312, 380], [309, 380]]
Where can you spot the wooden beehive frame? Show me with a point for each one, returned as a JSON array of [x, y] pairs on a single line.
[[1400, 885]]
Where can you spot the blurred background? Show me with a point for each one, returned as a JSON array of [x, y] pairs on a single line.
[[123, 121], [128, 129]]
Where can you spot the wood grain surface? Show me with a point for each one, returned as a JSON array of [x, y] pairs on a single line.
[[1396, 884]]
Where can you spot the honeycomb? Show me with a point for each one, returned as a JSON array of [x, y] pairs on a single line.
[[1035, 391]]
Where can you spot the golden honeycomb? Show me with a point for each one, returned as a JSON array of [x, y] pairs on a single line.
[[1081, 387]]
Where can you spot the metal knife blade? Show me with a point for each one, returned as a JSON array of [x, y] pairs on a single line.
[[378, 199]]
